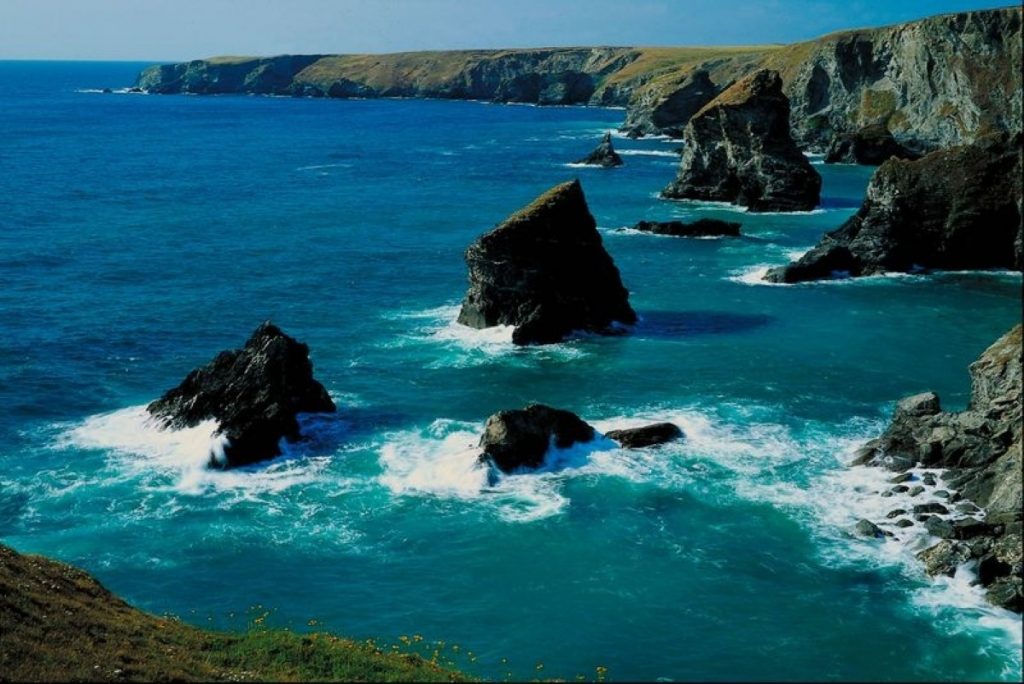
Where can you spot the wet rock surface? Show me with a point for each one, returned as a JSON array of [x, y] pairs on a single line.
[[521, 438], [254, 393]]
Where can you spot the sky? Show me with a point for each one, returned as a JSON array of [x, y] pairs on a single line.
[[173, 30]]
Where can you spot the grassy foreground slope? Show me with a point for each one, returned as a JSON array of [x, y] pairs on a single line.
[[57, 623]]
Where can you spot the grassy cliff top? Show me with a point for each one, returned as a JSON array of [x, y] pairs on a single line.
[[57, 623]]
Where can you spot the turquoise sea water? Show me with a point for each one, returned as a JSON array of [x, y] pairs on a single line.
[[139, 235]]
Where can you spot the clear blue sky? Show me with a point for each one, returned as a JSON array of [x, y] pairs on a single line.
[[161, 30]]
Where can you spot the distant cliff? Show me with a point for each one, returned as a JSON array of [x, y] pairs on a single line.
[[933, 82]]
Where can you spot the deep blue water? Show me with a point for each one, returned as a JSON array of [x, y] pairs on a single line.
[[139, 235]]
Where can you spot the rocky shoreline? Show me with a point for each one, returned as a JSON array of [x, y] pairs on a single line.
[[972, 462]]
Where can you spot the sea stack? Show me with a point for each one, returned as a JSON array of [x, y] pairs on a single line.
[[871, 146], [738, 149], [520, 438], [544, 270], [254, 393], [604, 154], [953, 209], [980, 451]]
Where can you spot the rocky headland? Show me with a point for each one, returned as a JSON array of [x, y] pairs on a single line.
[[933, 82], [738, 149], [977, 453], [254, 393], [954, 209], [58, 624], [544, 270], [604, 154], [698, 228]]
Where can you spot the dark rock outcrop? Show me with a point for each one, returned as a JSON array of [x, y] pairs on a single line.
[[649, 435], [981, 448], [669, 114], [871, 146], [521, 438], [738, 149], [698, 228], [603, 155], [545, 271], [954, 209], [254, 393]]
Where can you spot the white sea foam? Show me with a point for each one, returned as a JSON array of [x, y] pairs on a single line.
[[442, 461], [648, 153], [179, 459], [471, 347], [318, 167]]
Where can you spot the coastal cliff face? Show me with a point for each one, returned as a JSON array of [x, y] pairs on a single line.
[[934, 82], [548, 76]]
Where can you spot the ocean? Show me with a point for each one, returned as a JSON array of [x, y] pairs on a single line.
[[140, 235]]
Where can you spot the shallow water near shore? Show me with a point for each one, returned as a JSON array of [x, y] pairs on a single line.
[[142, 234]]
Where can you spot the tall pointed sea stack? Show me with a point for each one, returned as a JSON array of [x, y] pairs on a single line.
[[254, 393], [545, 271], [738, 149]]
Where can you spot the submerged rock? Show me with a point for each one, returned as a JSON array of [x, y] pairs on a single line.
[[254, 393], [545, 271], [698, 228], [981, 449], [603, 155], [738, 149], [649, 435], [871, 145], [954, 209], [521, 438]]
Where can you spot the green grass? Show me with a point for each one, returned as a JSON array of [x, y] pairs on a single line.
[[57, 624]]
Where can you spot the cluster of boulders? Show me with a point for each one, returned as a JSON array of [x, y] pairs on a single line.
[[522, 439], [978, 453]]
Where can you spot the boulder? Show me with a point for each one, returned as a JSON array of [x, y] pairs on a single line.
[[521, 438], [954, 209], [981, 449], [738, 149], [649, 435], [254, 393], [699, 228], [545, 271], [866, 528], [870, 145], [603, 155]]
